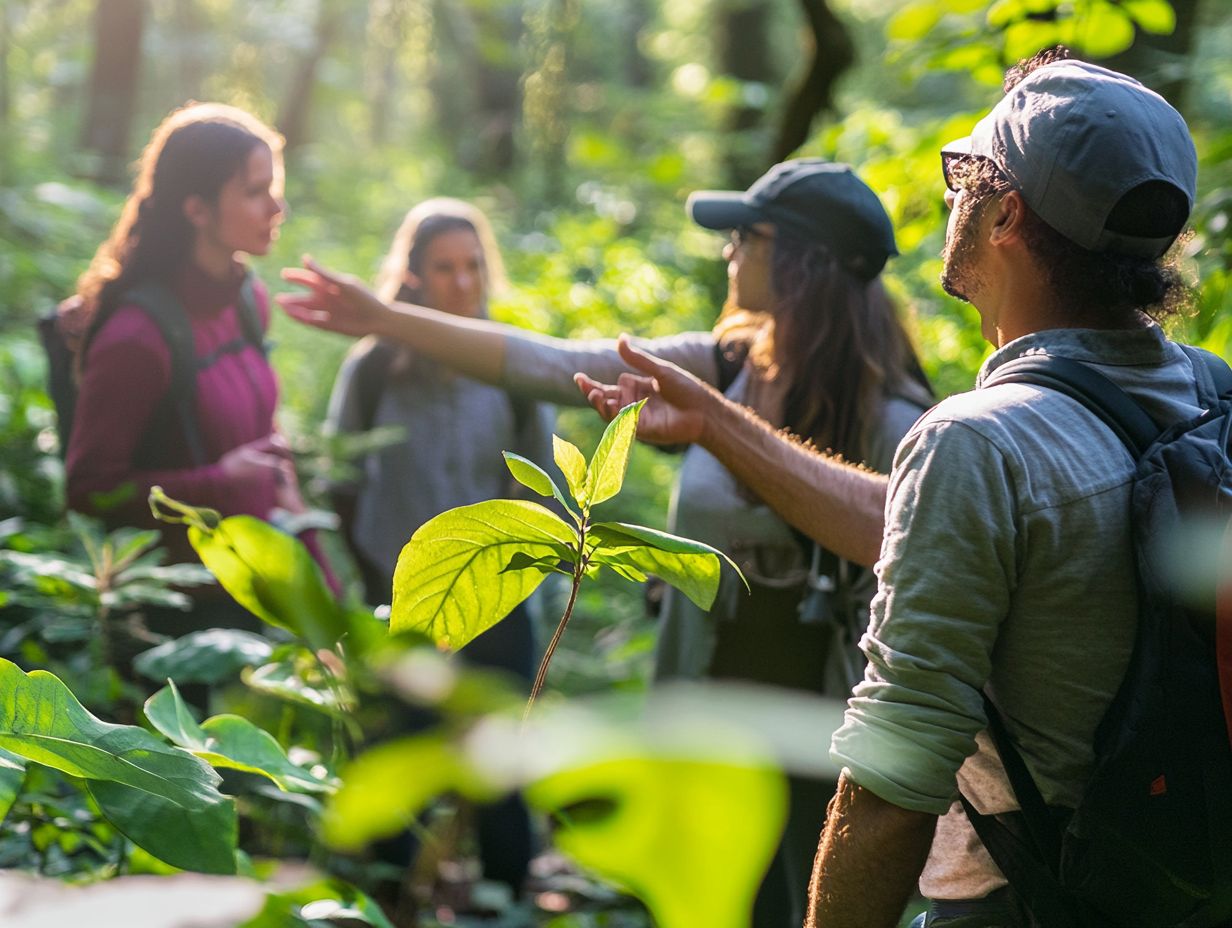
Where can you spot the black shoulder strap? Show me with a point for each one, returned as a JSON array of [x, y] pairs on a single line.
[[729, 357], [523, 411], [370, 376], [1211, 370], [1082, 383], [61, 386], [163, 308], [249, 317]]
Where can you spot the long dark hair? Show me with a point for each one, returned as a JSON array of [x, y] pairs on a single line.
[[836, 340], [193, 152]]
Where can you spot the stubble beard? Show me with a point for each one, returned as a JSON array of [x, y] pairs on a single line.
[[958, 256]]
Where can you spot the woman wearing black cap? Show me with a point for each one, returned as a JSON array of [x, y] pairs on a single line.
[[808, 339]]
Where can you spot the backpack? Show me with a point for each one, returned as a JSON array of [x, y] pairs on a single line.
[[1150, 842], [178, 404]]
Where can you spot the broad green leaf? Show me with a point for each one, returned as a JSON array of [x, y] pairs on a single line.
[[297, 682], [12, 776], [384, 789], [1023, 39], [1104, 31], [448, 583], [212, 655], [1004, 12], [235, 742], [690, 566], [534, 477], [42, 721], [690, 838], [632, 574], [572, 464], [130, 543], [1156, 16], [273, 576], [171, 717], [228, 741], [530, 474], [194, 839], [914, 21], [606, 473]]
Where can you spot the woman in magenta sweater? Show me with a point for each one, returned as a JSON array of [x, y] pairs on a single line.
[[208, 191]]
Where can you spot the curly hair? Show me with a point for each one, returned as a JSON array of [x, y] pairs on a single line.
[[193, 152], [1103, 287]]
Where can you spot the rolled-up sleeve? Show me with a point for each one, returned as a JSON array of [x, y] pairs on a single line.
[[946, 574]]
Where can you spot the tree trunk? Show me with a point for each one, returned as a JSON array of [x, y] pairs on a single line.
[[638, 69], [545, 101], [6, 106], [297, 105], [118, 27], [189, 42], [479, 93], [832, 53], [387, 33], [1159, 61], [744, 54]]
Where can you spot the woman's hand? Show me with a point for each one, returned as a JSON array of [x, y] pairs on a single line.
[[676, 401], [262, 459], [334, 302]]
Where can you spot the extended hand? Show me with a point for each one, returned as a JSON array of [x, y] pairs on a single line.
[[676, 401], [334, 302], [263, 459]]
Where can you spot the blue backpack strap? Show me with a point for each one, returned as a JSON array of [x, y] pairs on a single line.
[[1212, 373], [1116, 408]]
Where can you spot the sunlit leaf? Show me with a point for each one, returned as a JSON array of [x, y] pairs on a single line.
[[606, 473], [1104, 31], [1155, 16], [691, 839], [448, 583], [914, 21], [534, 477], [572, 464], [384, 789], [272, 575], [690, 566], [1004, 12], [1023, 39], [211, 655]]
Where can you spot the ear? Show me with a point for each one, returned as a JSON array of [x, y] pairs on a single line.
[[196, 211], [411, 279], [1008, 219]]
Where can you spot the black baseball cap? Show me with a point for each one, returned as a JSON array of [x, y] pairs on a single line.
[[811, 199]]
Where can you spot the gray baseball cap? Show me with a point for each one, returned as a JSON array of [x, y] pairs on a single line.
[[814, 200], [1074, 138]]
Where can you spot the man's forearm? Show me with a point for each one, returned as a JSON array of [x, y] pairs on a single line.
[[869, 860], [838, 505]]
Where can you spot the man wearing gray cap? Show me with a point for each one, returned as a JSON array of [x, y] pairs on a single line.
[[1005, 561]]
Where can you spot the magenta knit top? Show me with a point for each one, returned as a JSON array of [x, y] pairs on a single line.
[[126, 374]]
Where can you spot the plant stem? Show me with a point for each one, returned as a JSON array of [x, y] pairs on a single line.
[[579, 571]]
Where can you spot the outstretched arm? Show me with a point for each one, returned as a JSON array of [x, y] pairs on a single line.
[[341, 303], [838, 505]]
